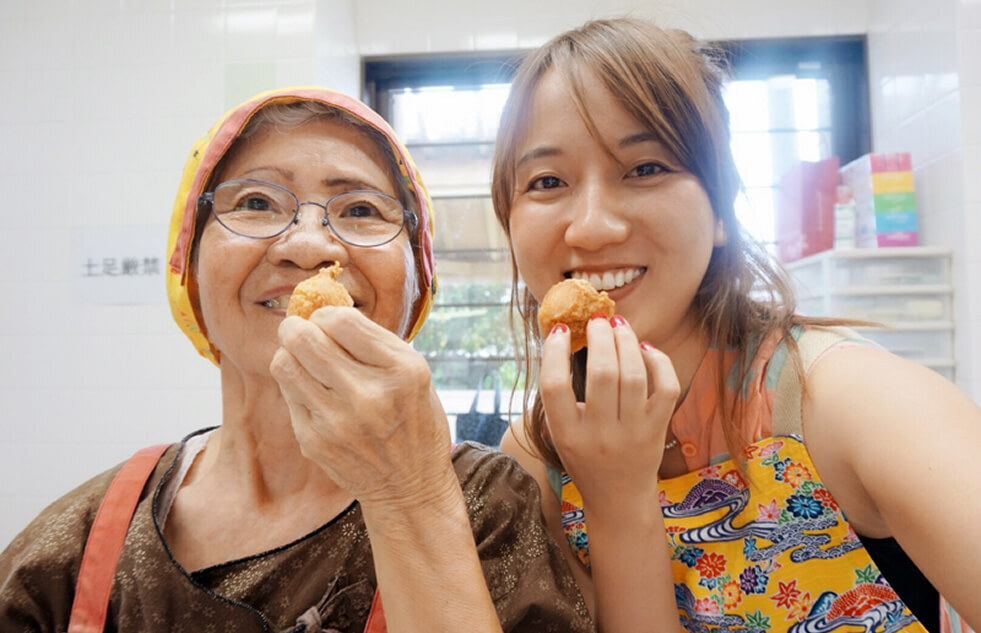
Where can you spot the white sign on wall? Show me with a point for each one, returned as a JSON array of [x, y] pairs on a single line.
[[119, 265]]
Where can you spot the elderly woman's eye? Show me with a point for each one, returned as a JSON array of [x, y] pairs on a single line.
[[254, 203], [361, 210]]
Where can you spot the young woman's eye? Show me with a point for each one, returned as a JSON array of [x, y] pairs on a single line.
[[546, 182], [647, 169]]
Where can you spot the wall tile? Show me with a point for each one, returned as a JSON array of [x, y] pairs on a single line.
[[96, 40], [37, 9], [199, 35], [47, 43], [943, 127], [48, 264], [169, 416], [938, 63], [939, 187], [972, 174], [454, 33], [250, 33], [296, 72], [145, 38], [971, 114], [886, 15], [969, 14], [969, 56], [295, 31], [495, 35]]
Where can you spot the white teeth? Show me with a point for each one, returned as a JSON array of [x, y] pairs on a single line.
[[609, 280]]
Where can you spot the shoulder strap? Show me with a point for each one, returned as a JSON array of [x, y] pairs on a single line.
[[813, 342], [376, 617], [105, 541]]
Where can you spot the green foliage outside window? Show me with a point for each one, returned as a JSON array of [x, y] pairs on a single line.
[[468, 333]]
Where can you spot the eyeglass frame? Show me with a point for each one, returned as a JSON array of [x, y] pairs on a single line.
[[409, 218]]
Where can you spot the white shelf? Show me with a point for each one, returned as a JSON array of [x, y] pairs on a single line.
[[871, 253], [936, 363], [911, 289], [908, 290]]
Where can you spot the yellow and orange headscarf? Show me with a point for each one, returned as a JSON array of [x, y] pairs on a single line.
[[208, 151]]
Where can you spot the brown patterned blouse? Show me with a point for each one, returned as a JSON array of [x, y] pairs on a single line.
[[323, 582]]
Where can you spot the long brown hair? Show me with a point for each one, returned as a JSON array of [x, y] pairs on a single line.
[[672, 85]]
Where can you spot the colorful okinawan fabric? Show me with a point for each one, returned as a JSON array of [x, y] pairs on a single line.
[[774, 555]]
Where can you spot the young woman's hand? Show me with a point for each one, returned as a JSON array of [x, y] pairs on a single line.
[[611, 444]]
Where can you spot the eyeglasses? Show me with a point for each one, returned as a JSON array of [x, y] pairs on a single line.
[[259, 209]]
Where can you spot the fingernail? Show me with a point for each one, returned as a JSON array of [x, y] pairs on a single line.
[[559, 327], [616, 320], [646, 345], [598, 315]]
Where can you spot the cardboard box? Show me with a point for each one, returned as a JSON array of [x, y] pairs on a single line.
[[805, 209]]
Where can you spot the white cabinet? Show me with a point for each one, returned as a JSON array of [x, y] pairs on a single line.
[[908, 290]]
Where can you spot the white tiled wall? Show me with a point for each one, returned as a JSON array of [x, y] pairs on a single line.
[[102, 100], [925, 88], [442, 25]]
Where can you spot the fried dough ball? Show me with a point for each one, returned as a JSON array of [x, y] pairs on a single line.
[[573, 302], [320, 290]]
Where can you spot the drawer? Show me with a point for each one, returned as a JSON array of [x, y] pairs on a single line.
[[889, 271], [910, 307]]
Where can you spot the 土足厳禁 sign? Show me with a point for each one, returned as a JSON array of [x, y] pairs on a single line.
[[119, 265]]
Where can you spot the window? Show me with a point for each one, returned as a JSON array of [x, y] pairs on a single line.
[[802, 99], [789, 100]]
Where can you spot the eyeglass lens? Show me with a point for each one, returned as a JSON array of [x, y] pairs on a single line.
[[260, 209]]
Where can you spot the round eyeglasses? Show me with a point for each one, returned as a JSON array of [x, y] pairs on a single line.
[[259, 209]]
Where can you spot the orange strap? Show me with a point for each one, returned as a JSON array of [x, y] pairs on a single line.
[[106, 539], [376, 617]]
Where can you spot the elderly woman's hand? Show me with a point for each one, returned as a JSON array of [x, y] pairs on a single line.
[[363, 406]]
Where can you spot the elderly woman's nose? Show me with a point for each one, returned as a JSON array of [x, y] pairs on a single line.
[[308, 243], [595, 220]]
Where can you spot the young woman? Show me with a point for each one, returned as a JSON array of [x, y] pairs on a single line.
[[670, 456]]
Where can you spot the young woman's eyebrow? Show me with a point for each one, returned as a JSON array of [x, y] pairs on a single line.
[[640, 137], [538, 152]]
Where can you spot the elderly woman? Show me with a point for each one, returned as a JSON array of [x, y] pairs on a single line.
[[331, 474]]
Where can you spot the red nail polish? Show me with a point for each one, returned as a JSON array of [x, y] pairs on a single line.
[[616, 320], [598, 315], [559, 327], [646, 345]]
